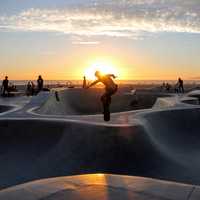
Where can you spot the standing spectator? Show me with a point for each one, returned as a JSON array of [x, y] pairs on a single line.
[[176, 88], [5, 87], [84, 82], [29, 89], [168, 87], [32, 88], [181, 87], [40, 83]]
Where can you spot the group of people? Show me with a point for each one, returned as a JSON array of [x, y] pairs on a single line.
[[110, 88], [7, 87], [179, 86], [31, 89]]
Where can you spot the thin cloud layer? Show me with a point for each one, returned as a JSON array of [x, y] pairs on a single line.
[[116, 18]]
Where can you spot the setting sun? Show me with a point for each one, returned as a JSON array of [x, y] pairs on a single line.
[[105, 67]]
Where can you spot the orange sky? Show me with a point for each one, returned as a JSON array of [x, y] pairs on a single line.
[[143, 40]]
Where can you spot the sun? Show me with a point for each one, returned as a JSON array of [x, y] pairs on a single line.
[[104, 67]]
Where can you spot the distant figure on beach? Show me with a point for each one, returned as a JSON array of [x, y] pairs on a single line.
[[163, 86], [30, 89], [176, 88], [180, 85], [110, 89], [84, 82], [168, 87], [12, 87], [5, 86], [40, 83]]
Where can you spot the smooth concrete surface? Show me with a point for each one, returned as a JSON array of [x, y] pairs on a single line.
[[37, 148], [101, 187], [87, 102], [190, 100], [165, 102], [194, 93], [4, 108], [48, 147], [160, 142]]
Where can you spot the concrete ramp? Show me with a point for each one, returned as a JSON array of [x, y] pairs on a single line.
[[87, 102], [190, 100], [34, 149], [160, 143], [101, 187], [164, 145], [176, 133], [5, 108], [81, 102]]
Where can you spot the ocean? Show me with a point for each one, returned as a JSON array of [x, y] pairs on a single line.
[[79, 82]]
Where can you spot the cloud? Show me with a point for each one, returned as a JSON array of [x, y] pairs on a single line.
[[115, 18], [86, 42]]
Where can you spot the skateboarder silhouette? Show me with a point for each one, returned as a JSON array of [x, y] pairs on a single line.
[[110, 89]]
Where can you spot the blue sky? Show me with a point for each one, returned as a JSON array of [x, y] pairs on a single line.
[[149, 39]]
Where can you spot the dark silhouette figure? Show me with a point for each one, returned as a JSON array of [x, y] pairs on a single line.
[[180, 85], [176, 88], [5, 86], [168, 87], [110, 89], [163, 86], [40, 83], [30, 88], [57, 96], [84, 82]]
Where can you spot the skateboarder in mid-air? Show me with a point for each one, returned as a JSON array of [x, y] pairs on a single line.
[[110, 89]]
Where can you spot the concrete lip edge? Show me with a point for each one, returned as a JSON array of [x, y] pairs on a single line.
[[14, 108], [137, 185]]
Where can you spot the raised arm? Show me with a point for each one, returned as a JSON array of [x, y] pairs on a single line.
[[93, 83], [112, 75]]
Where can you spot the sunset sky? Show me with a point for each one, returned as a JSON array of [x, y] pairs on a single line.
[[61, 39]]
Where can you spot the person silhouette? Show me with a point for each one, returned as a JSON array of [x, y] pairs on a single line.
[[40, 83], [110, 89], [28, 88], [84, 82], [32, 88], [5, 86], [181, 87]]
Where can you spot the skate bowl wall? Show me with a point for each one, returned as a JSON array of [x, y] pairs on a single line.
[[5, 108], [86, 102], [195, 94], [34, 149], [176, 133], [165, 145]]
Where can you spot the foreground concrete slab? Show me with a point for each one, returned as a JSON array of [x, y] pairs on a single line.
[[101, 187]]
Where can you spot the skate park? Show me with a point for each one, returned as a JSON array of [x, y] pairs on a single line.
[[146, 151]]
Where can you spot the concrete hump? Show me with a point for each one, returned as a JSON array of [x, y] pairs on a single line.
[[100, 187]]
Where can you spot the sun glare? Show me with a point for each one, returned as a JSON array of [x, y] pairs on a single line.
[[103, 67]]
